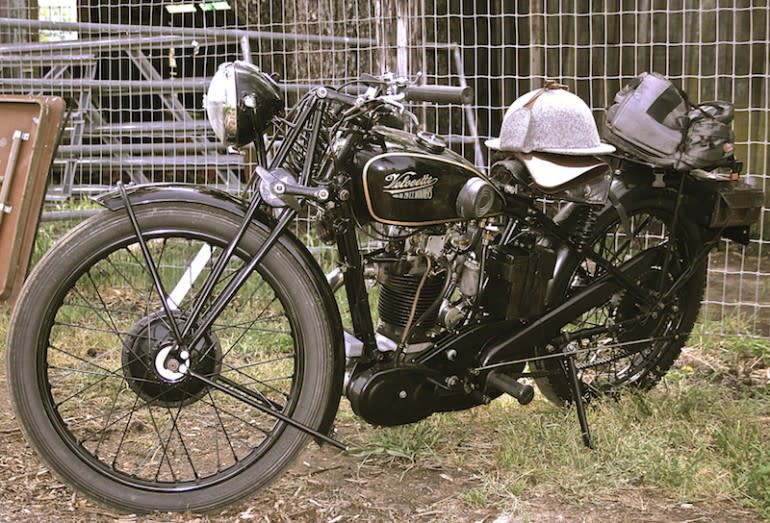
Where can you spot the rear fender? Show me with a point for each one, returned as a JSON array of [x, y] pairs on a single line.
[[206, 196]]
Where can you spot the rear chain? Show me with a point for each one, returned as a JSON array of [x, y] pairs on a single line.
[[623, 353]]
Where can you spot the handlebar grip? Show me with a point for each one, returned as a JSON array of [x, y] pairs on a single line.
[[446, 94], [343, 98]]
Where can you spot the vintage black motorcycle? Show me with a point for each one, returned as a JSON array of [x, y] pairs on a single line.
[[178, 350]]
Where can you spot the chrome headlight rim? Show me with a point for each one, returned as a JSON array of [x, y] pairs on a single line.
[[240, 102]]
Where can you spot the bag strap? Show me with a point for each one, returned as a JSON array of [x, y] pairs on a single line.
[[723, 111]]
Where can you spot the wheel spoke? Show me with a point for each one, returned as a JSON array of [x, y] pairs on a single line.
[[107, 417], [255, 381], [647, 231], [125, 432], [164, 446], [258, 318], [224, 431], [175, 428]]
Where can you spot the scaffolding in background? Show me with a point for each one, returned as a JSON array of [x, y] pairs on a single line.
[[181, 142]]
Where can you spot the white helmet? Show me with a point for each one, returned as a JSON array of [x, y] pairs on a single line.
[[550, 120]]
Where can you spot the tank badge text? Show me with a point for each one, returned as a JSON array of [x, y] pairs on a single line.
[[410, 186]]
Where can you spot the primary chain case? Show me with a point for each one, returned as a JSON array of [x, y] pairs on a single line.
[[29, 133]]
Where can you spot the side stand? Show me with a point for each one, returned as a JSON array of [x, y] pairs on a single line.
[[577, 396]]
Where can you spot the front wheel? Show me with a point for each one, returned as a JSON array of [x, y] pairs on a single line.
[[631, 347], [107, 397]]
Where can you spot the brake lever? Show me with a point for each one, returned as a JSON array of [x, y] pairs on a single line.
[[370, 79], [394, 100]]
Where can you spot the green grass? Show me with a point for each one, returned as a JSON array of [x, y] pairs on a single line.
[[736, 345], [49, 232], [410, 443], [694, 440]]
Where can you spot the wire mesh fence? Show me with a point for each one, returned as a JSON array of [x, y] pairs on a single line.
[[134, 72]]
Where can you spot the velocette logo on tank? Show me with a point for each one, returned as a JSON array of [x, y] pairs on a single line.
[[410, 186]]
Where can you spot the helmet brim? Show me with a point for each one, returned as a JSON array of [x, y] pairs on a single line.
[[493, 143], [602, 148], [550, 172]]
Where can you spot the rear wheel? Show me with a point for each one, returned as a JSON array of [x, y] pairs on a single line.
[[106, 395], [639, 345]]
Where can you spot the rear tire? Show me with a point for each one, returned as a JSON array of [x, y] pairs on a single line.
[[97, 393], [608, 370]]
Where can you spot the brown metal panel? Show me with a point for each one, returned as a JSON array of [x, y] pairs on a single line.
[[29, 133]]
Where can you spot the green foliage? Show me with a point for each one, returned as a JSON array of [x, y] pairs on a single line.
[[735, 348], [734, 332]]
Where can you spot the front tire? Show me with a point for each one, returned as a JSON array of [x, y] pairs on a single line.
[[611, 362], [103, 393]]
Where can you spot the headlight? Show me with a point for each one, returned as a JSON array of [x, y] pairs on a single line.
[[240, 102]]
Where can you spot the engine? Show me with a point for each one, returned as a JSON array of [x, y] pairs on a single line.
[[418, 279], [409, 290], [437, 279], [432, 280]]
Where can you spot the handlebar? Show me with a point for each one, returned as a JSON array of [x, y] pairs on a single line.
[[445, 94], [439, 94]]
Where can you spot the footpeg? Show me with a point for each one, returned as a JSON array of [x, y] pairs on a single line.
[[504, 383]]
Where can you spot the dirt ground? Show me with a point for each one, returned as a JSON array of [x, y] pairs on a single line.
[[326, 486]]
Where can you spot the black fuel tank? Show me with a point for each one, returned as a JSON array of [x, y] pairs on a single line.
[[414, 180]]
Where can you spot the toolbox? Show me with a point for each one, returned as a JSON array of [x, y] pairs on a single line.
[[30, 127]]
